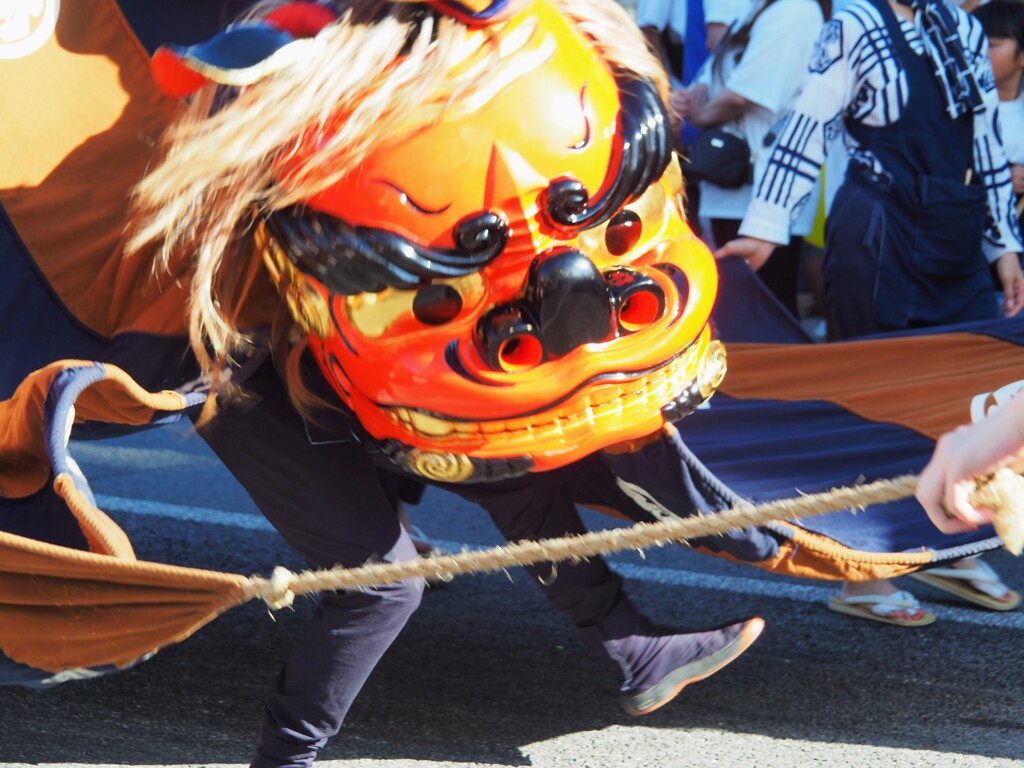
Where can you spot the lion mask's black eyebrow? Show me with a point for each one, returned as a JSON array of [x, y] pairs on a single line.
[[646, 153], [354, 259], [351, 259]]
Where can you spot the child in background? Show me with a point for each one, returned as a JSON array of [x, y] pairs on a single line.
[[1003, 22]]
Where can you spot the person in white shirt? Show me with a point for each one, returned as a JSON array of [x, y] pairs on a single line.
[[669, 19], [719, 15], [1003, 22], [747, 85]]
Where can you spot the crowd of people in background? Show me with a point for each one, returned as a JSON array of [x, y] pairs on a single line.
[[911, 112]]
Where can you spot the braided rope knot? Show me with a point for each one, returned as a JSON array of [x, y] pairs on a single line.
[[276, 591]]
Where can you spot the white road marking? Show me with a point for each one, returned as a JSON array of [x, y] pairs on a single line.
[[767, 587]]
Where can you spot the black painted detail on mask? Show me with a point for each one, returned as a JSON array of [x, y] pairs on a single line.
[[570, 300], [352, 259], [502, 330], [637, 299], [646, 152], [436, 304], [454, 362]]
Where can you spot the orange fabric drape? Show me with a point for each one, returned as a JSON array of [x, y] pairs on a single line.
[[65, 609], [923, 383]]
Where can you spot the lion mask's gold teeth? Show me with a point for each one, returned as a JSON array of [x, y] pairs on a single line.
[[424, 423], [658, 387]]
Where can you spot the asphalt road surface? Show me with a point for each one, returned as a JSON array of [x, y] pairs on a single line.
[[487, 674]]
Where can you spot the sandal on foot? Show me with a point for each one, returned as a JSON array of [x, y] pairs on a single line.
[[979, 585], [883, 608]]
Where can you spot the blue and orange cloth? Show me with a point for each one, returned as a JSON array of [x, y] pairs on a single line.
[[96, 339]]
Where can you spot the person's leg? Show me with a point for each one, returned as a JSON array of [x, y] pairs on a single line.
[[655, 662], [853, 239], [973, 580], [811, 261], [987, 581], [880, 600], [853, 235], [329, 504]]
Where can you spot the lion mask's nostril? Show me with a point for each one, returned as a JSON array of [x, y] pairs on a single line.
[[638, 300]]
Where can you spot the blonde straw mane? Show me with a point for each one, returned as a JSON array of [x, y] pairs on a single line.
[[377, 65]]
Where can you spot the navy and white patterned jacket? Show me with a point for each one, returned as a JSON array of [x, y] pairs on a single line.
[[852, 75]]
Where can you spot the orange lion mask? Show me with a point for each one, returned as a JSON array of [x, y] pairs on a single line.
[[513, 286]]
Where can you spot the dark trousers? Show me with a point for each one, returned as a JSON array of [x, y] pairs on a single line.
[[781, 273], [866, 234], [853, 234], [329, 503], [335, 507], [543, 506]]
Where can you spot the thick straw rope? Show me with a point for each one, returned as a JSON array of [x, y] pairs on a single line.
[[281, 588]]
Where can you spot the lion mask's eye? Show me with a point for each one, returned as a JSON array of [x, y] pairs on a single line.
[[436, 304], [623, 233], [391, 311]]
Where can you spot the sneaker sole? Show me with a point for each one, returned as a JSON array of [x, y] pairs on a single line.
[[662, 693]]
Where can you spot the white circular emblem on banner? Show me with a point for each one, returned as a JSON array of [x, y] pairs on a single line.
[[26, 25]]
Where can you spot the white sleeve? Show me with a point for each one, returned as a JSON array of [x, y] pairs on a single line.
[[1002, 232], [815, 120], [726, 11], [774, 62], [653, 13]]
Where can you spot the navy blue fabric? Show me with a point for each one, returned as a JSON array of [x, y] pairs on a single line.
[[747, 311], [667, 474], [755, 449], [14, 673], [183, 22], [43, 516], [766, 450], [41, 330], [38, 328]]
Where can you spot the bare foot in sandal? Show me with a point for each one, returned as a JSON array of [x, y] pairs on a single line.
[[880, 601], [973, 580]]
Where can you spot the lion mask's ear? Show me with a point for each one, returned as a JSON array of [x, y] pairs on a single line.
[[243, 53], [247, 52]]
